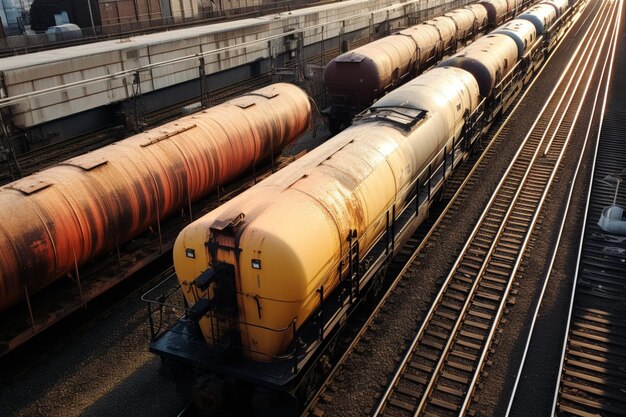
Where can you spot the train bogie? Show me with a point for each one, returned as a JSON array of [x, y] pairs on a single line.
[[521, 31], [489, 60], [541, 15], [56, 220]]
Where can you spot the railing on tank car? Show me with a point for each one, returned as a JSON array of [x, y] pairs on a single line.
[[419, 192], [160, 297], [557, 30], [356, 267]]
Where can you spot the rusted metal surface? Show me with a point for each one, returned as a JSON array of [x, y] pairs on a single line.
[[56, 220], [289, 238]]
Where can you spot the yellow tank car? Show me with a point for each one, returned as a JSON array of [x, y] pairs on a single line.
[[267, 258]]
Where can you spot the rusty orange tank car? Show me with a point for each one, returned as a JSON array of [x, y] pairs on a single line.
[[56, 220]]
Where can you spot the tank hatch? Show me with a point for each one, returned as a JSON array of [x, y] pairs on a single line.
[[403, 117]]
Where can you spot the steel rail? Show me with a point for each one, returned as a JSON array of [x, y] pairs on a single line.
[[426, 238], [433, 229], [396, 377], [399, 371], [556, 166], [584, 226], [561, 229]]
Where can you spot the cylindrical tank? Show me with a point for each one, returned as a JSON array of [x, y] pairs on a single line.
[[287, 236], [496, 11], [465, 20], [480, 15], [358, 77], [489, 59], [521, 31], [541, 15], [56, 220], [447, 28], [560, 5], [425, 38]]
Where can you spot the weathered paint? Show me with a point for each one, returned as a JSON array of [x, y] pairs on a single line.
[[69, 214], [297, 222], [31, 73]]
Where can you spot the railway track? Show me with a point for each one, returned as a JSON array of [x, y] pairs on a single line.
[[439, 372], [592, 379], [541, 336], [466, 177]]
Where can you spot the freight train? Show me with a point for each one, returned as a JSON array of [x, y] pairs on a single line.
[[358, 78], [55, 221], [270, 277]]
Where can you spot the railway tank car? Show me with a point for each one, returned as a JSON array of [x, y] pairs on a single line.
[[500, 11], [470, 20], [522, 32], [489, 59], [256, 270], [54, 221], [269, 277], [358, 78], [541, 15]]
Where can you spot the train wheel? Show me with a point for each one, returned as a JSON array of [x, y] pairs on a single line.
[[208, 394]]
